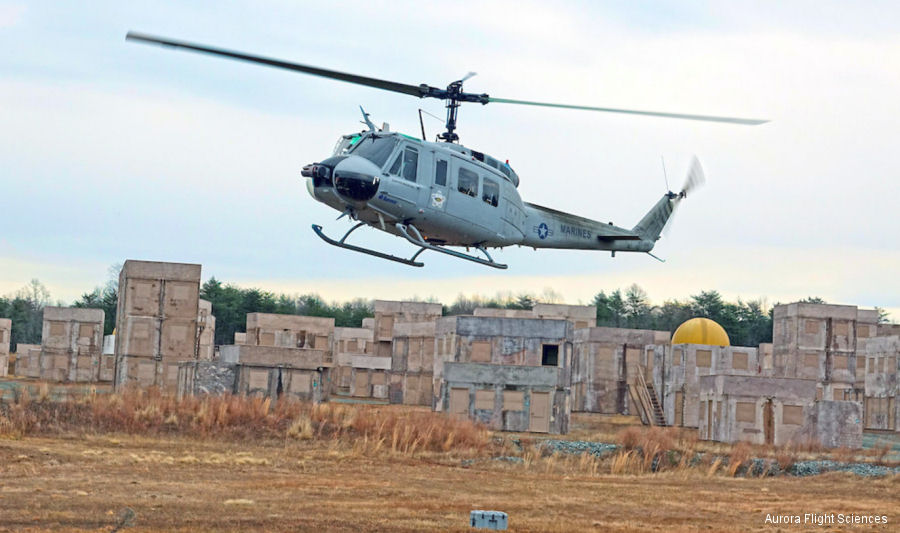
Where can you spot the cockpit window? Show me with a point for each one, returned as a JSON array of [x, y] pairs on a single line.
[[375, 149], [467, 182], [490, 192], [410, 163], [406, 164]]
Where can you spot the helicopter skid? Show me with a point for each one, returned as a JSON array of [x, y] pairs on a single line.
[[341, 244], [418, 240]]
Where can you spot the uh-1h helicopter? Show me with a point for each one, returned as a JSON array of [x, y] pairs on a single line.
[[442, 194]]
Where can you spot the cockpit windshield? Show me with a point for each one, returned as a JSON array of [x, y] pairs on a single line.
[[374, 148]]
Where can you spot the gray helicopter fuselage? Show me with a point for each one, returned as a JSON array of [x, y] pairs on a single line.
[[453, 195]]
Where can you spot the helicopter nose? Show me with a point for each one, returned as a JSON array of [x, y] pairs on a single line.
[[356, 179]]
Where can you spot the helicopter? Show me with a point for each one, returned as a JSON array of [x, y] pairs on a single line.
[[442, 195]]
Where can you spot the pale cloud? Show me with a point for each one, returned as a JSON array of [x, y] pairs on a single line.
[[11, 14]]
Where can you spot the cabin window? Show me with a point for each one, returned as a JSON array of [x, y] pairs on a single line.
[[410, 163], [440, 173], [490, 192], [375, 149], [467, 182]]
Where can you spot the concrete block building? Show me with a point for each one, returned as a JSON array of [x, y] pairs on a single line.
[[682, 367], [760, 410], [291, 331], [206, 331], [349, 343], [28, 360], [412, 363], [605, 362], [5, 336], [506, 397], [388, 313], [479, 358], [71, 344], [882, 383], [156, 322], [820, 342], [766, 410]]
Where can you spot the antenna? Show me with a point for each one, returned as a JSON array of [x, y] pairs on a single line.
[[422, 123], [665, 177]]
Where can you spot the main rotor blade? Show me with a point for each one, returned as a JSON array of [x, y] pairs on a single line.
[[707, 118], [413, 90]]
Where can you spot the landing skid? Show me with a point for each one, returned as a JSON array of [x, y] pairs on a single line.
[[417, 239], [341, 244]]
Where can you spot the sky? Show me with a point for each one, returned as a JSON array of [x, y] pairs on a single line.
[[112, 150]]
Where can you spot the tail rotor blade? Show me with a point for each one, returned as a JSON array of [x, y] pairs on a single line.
[[695, 178]]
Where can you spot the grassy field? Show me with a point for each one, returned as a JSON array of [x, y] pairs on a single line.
[[203, 466]]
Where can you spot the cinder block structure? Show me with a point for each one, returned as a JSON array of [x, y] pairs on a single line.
[[291, 331], [882, 383], [156, 322], [349, 343], [412, 363], [28, 360], [678, 373], [581, 316], [606, 361], [5, 335], [760, 410], [71, 343], [488, 355], [820, 342], [206, 331], [506, 397], [388, 313]]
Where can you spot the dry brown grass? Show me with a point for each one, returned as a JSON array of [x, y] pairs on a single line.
[[243, 418]]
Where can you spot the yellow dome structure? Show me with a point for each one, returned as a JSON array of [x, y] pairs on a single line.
[[701, 331]]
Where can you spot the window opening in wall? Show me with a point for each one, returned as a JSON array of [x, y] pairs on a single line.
[[550, 355]]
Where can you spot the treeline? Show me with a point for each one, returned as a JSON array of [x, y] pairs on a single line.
[[231, 305], [747, 323]]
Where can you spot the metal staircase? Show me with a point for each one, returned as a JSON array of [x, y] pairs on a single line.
[[647, 400]]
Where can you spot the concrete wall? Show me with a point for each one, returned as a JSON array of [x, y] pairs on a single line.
[[156, 322], [206, 324], [605, 361], [835, 424], [581, 316], [291, 331], [28, 360], [500, 341], [820, 341], [882, 383], [272, 356], [349, 343], [309, 384], [71, 344], [5, 334], [412, 363], [677, 375], [506, 397], [734, 408]]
